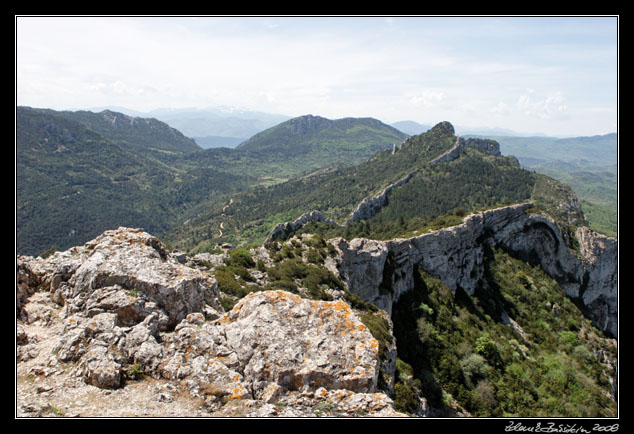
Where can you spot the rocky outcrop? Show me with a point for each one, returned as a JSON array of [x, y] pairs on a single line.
[[483, 145], [369, 207], [121, 314], [273, 343], [380, 271], [287, 228], [125, 271]]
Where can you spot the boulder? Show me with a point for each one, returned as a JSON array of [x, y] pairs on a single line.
[[121, 308]]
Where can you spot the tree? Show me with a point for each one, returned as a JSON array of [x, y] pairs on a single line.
[[489, 350]]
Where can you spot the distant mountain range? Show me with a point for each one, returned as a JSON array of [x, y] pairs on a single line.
[[212, 126], [104, 169], [80, 173]]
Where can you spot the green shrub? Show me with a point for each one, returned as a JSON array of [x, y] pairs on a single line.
[[283, 285], [358, 303], [240, 258], [487, 348], [474, 368], [136, 372], [227, 302], [227, 282], [405, 398], [484, 397], [568, 338], [48, 252], [428, 311], [380, 330], [314, 257]]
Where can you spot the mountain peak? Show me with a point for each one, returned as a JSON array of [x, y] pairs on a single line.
[[445, 128], [306, 123]]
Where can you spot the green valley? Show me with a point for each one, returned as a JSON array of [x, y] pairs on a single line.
[[480, 178], [519, 343], [79, 173]]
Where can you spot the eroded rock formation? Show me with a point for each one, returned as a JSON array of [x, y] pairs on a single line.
[[120, 308], [455, 255]]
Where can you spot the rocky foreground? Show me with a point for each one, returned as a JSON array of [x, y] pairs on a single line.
[[119, 328], [122, 327]]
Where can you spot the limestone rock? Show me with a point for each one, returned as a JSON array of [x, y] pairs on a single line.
[[121, 315], [455, 255], [369, 207], [299, 344], [272, 343], [290, 227]]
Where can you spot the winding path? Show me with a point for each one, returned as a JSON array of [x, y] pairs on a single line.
[[222, 225]]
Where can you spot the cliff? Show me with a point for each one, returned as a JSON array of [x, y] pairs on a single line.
[[381, 271], [122, 327]]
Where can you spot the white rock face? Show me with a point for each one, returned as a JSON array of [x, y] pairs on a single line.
[[277, 342], [455, 255], [288, 227]]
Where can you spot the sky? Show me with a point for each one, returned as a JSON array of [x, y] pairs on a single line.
[[534, 75]]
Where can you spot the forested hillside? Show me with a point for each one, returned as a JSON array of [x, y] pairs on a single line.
[[588, 164], [473, 181], [317, 140], [80, 173]]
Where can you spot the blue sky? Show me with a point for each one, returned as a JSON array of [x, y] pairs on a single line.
[[551, 75]]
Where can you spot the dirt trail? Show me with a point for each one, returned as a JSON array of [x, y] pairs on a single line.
[[224, 208]]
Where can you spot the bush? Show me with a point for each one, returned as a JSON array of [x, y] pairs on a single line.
[[426, 331], [405, 398], [380, 330], [569, 338], [240, 258], [487, 348], [314, 257], [484, 397], [474, 368]]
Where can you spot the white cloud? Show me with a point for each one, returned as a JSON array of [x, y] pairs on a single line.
[[501, 108], [428, 98], [552, 106], [461, 70]]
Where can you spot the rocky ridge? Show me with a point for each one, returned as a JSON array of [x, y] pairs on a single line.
[[119, 327], [455, 255], [370, 206], [122, 318]]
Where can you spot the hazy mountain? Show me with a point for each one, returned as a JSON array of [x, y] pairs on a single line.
[[317, 139], [600, 149], [208, 142], [474, 176], [410, 128], [144, 134], [210, 121]]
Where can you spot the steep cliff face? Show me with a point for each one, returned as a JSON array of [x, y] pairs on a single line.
[[380, 271], [283, 229], [369, 207]]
